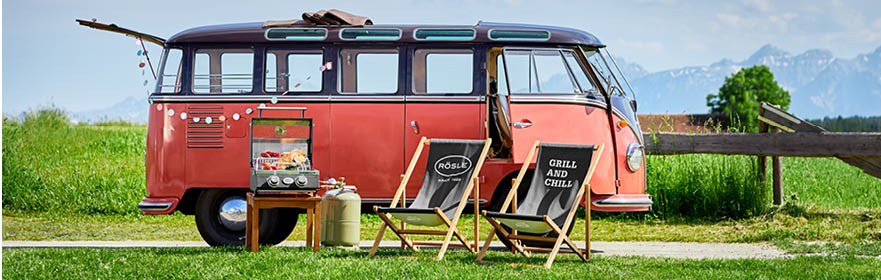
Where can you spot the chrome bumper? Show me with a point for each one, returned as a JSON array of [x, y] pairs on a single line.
[[618, 202], [154, 206]]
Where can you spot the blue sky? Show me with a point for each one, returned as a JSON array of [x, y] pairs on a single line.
[[48, 58]]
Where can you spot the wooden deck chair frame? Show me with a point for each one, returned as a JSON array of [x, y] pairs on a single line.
[[562, 237], [403, 233]]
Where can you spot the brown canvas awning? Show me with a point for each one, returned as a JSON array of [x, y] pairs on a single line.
[[322, 17]]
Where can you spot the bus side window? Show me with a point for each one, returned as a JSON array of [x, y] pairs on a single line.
[[169, 80], [443, 71], [223, 71], [300, 71], [368, 71]]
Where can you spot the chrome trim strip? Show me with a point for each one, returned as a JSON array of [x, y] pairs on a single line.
[[557, 99], [154, 206], [312, 98], [463, 98], [369, 98], [622, 202], [238, 98]]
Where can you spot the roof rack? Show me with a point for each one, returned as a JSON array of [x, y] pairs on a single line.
[[322, 17]]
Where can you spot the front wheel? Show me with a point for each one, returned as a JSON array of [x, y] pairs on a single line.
[[221, 216]]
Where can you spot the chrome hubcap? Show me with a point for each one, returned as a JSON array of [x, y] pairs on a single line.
[[233, 212]]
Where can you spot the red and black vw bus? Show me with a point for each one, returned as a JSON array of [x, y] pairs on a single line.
[[372, 92]]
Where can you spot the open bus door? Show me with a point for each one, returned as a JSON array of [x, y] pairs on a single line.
[[128, 32], [548, 103]]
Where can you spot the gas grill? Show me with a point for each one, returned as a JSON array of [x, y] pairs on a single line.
[[281, 155]]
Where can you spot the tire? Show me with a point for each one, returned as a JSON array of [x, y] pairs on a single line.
[[213, 231], [501, 193], [498, 199]]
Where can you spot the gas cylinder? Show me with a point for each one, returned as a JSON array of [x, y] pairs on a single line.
[[341, 217]]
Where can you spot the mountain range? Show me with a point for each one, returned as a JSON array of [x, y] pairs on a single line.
[[820, 85]]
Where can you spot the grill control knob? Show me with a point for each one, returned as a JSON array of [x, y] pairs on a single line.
[[301, 181], [272, 181], [287, 180]]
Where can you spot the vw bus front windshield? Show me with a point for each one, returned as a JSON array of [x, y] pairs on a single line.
[[609, 74], [542, 71]]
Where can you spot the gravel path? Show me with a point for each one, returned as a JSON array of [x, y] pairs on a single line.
[[647, 249]]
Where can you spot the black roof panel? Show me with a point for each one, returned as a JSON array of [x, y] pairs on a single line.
[[254, 32]]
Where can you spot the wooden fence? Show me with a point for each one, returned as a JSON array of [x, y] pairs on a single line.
[[780, 134]]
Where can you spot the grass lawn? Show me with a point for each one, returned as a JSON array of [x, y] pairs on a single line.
[[83, 182], [789, 223], [300, 263]]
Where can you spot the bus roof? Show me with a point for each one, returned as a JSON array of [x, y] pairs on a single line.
[[254, 32]]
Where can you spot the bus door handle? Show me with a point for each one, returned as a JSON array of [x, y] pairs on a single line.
[[415, 127], [523, 124]]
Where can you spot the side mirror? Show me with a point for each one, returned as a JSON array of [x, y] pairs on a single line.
[[633, 105]]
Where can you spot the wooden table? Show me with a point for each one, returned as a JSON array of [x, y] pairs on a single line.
[[311, 202]]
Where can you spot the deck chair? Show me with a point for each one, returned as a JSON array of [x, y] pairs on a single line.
[[559, 183], [450, 175]]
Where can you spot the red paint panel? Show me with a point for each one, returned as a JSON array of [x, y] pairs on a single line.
[[229, 166], [631, 182], [367, 146], [165, 155], [569, 124], [437, 120], [236, 128]]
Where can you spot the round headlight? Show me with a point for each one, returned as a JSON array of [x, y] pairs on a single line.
[[635, 156]]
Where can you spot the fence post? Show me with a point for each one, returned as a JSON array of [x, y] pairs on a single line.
[[777, 174], [763, 160]]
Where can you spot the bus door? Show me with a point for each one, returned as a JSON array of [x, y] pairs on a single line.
[[552, 100], [443, 102], [366, 117]]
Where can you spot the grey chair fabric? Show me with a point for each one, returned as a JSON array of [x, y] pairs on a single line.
[[450, 164], [560, 169], [449, 167]]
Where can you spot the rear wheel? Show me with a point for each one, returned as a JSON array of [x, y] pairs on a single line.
[[286, 220], [221, 214]]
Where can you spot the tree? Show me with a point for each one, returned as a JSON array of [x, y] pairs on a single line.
[[738, 99]]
